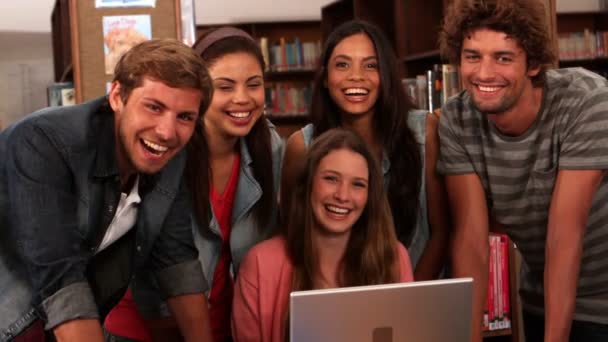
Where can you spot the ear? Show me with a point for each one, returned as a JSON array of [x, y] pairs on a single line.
[[114, 97], [533, 70]]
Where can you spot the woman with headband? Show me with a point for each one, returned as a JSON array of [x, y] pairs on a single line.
[[233, 172]]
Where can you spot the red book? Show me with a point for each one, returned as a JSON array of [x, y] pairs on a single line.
[[506, 307]]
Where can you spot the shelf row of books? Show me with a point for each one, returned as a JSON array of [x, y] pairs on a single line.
[[497, 311], [287, 99], [583, 45], [431, 90], [283, 55]]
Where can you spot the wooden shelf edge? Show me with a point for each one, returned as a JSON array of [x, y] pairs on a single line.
[[288, 118], [422, 55], [494, 333]]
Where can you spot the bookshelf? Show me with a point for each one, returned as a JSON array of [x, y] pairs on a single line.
[[583, 40], [291, 49]]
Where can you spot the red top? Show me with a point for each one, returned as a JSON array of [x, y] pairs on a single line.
[[220, 298], [124, 320]]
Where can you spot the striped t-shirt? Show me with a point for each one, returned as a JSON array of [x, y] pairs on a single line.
[[518, 176]]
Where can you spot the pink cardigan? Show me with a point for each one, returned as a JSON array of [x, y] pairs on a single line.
[[262, 288]]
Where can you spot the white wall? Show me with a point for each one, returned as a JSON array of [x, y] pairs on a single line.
[[26, 15], [235, 11], [580, 5], [35, 15]]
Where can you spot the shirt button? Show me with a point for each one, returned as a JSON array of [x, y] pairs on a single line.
[[110, 208], [138, 248]]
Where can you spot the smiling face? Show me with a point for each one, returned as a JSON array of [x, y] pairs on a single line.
[[153, 125], [339, 191], [353, 80], [238, 98], [494, 72]]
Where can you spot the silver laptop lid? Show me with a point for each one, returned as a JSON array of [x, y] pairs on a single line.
[[425, 311]]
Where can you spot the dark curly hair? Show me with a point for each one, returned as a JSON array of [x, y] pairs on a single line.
[[522, 20]]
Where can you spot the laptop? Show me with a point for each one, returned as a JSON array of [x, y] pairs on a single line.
[[425, 311]]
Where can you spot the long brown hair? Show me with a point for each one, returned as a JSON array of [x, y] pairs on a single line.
[[523, 20], [371, 255], [389, 123], [258, 142]]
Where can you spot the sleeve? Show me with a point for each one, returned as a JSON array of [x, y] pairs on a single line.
[[174, 256], [405, 265], [453, 157], [584, 144], [44, 223], [246, 325]]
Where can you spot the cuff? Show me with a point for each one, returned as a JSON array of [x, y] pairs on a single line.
[[184, 278], [74, 301]]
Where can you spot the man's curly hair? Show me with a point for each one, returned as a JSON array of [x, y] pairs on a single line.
[[522, 20]]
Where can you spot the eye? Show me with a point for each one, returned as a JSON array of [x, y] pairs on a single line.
[[186, 117], [471, 58], [153, 107], [330, 178], [359, 184], [504, 59], [254, 85], [341, 65], [371, 65], [223, 88]]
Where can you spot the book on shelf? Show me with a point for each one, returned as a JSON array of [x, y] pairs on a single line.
[[431, 90], [289, 55], [582, 45], [287, 99], [497, 309]]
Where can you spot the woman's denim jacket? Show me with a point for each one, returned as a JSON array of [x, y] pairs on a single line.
[[243, 236], [59, 187]]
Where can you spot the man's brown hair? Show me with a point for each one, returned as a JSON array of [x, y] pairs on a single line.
[[168, 61], [522, 20]]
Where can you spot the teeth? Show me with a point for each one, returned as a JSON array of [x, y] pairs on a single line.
[[157, 148], [239, 115], [488, 89], [356, 91], [337, 210]]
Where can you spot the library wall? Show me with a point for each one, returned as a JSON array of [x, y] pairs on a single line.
[[26, 69]]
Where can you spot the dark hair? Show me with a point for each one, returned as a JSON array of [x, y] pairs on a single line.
[[522, 20], [389, 123], [166, 60], [371, 256], [258, 142]]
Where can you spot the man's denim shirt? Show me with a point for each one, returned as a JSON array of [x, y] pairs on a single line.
[[244, 232], [59, 186]]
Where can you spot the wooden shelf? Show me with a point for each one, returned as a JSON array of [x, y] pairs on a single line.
[[306, 74], [432, 54], [494, 333], [288, 118]]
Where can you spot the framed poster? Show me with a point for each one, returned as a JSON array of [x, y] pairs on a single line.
[[99, 35]]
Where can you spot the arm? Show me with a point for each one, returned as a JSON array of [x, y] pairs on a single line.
[[570, 204], [293, 163], [190, 312], [434, 255], [470, 247], [178, 271], [44, 223], [79, 330]]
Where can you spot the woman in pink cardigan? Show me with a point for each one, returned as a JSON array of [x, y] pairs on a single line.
[[339, 233]]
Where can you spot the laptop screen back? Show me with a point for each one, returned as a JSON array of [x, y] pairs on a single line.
[[427, 311]]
